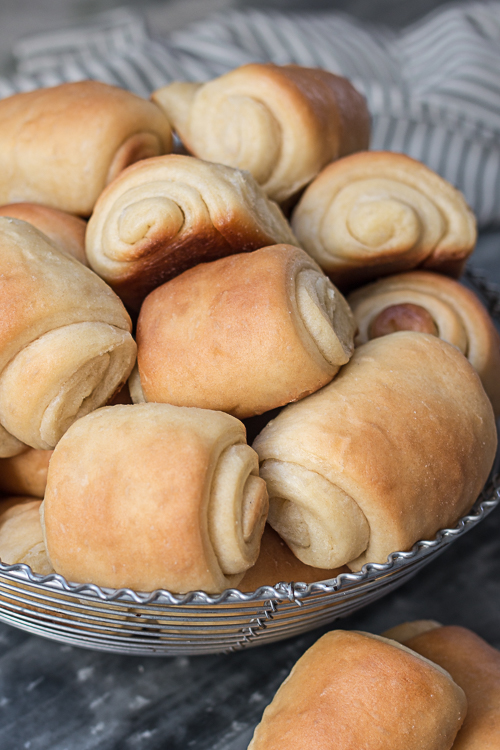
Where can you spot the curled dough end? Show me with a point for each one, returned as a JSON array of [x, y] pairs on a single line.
[[326, 316], [244, 334], [238, 509], [376, 213], [62, 376], [321, 524], [176, 499], [281, 123], [165, 215]]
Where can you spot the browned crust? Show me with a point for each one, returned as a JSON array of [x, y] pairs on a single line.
[[25, 474], [448, 256], [475, 667], [403, 317], [163, 260], [277, 563], [405, 429], [65, 230], [235, 217], [223, 335], [351, 690], [312, 117], [325, 92], [127, 495], [57, 144]]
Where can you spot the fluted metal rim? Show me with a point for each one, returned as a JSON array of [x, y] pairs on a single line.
[[487, 501]]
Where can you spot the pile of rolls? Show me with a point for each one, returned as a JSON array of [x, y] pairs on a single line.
[[159, 308]]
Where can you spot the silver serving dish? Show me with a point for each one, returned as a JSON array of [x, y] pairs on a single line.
[[161, 623]]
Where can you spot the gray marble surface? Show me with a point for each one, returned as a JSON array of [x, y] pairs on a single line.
[[55, 697]]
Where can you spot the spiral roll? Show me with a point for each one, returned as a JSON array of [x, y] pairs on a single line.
[[165, 215], [177, 502], [21, 537], [281, 123], [65, 343], [243, 334], [431, 303], [398, 446], [60, 146], [65, 231], [377, 213]]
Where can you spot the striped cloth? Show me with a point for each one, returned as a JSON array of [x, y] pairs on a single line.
[[433, 89]]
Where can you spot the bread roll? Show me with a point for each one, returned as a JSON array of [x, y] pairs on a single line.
[[21, 539], [431, 303], [65, 343], [66, 232], [281, 123], [155, 496], [276, 563], [377, 213], [243, 334], [354, 690], [60, 146], [475, 666], [398, 446], [9, 445], [165, 215], [25, 474]]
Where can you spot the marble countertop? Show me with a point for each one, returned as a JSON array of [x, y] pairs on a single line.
[[56, 697]]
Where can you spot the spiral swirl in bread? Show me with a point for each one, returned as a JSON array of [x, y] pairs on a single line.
[[377, 213], [398, 446], [60, 146], [165, 215], [65, 343], [281, 123], [177, 501], [243, 334]]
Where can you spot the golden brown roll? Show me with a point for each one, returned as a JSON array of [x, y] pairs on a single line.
[[176, 500], [243, 334], [281, 123], [377, 213], [475, 666], [67, 232], [431, 303], [355, 690], [60, 146], [65, 343], [25, 474], [165, 215], [397, 447], [21, 538], [276, 563]]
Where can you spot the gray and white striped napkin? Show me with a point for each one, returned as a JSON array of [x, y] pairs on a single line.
[[433, 89]]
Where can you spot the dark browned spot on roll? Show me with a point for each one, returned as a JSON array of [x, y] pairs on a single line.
[[404, 317]]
